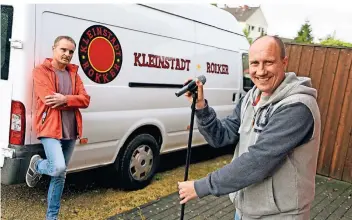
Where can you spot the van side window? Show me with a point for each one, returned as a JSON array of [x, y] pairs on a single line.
[[6, 30], [247, 82]]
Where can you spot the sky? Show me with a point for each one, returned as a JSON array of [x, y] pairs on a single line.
[[285, 18]]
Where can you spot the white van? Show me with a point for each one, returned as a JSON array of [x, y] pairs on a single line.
[[132, 58]]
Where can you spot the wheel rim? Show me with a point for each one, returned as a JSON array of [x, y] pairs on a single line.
[[141, 162]]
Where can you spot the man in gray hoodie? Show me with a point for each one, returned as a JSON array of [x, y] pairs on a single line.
[[276, 130]]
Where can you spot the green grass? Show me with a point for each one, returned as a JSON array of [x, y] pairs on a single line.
[[22, 202]]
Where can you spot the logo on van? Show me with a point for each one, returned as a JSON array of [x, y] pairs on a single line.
[[100, 54]]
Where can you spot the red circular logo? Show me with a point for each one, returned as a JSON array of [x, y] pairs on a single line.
[[100, 54]]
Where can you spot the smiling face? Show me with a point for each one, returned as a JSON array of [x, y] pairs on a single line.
[[63, 51], [266, 66]]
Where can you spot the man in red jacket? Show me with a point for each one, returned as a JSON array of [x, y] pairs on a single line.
[[59, 95]]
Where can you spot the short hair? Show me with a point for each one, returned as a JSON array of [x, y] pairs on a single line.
[[66, 38], [279, 43]]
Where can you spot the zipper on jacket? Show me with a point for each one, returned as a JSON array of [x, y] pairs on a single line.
[[75, 111], [74, 85]]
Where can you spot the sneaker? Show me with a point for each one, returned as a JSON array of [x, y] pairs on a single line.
[[32, 176]]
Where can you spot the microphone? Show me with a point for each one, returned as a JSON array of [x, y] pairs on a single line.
[[190, 86]]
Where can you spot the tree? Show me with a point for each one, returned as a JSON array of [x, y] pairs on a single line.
[[304, 35], [330, 40], [246, 33], [335, 42]]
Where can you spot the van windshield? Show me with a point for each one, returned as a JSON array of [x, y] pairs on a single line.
[[6, 30]]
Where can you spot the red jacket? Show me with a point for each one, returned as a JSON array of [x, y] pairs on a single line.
[[48, 120]]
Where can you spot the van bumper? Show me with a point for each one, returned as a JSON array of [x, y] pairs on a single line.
[[15, 168]]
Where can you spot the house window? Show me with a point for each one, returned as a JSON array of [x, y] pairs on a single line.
[[262, 33], [252, 28], [259, 28]]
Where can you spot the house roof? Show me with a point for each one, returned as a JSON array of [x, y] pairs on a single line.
[[241, 13], [286, 40]]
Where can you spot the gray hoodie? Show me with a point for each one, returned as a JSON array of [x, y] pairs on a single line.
[[273, 170]]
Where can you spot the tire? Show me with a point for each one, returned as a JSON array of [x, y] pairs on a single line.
[[139, 162]]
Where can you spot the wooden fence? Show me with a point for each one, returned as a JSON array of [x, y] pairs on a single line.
[[331, 73]]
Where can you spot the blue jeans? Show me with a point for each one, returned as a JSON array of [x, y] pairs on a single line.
[[237, 217], [58, 154]]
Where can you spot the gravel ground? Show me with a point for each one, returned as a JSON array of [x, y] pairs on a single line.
[[92, 194]]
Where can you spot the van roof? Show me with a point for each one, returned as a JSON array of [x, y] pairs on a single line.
[[203, 13]]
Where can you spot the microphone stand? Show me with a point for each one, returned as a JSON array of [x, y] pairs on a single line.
[[189, 148]]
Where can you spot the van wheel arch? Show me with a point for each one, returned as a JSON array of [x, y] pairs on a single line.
[[152, 137]]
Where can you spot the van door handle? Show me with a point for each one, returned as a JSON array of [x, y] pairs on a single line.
[[234, 97]]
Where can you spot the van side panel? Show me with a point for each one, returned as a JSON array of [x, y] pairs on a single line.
[[219, 56], [116, 107]]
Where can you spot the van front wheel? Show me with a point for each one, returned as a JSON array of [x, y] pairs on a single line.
[[139, 162]]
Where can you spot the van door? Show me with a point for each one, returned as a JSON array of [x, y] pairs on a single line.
[[5, 83]]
